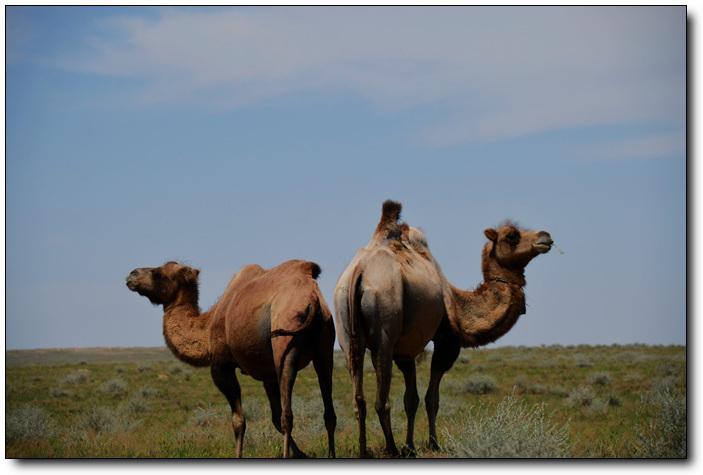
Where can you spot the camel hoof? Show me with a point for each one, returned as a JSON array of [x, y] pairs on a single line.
[[408, 452], [299, 454]]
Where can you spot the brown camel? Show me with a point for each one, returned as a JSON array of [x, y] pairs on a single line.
[[269, 323], [393, 298]]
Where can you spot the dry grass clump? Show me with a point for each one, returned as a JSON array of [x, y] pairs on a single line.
[[665, 435], [511, 431], [77, 377], [601, 377], [480, 384], [100, 420], [114, 386], [28, 423]]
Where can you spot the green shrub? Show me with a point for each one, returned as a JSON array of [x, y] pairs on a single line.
[[495, 358], [661, 386], [597, 406], [103, 420], [548, 363], [511, 431], [558, 391], [669, 369], [479, 384], [582, 362], [114, 386], [175, 369], [28, 423], [205, 417], [135, 405], [77, 377], [147, 392], [665, 436], [59, 392], [581, 397], [601, 378]]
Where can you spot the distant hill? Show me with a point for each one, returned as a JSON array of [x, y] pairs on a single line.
[[59, 356]]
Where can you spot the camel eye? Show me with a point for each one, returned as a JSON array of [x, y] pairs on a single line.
[[513, 237]]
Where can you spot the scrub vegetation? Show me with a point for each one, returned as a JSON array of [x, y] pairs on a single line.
[[619, 401]]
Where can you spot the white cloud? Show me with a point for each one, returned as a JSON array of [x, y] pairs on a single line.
[[499, 72], [667, 144]]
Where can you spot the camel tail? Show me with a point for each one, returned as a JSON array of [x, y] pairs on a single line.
[[310, 313], [354, 315]]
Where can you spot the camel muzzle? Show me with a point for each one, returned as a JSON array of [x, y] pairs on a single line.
[[544, 242], [132, 280]]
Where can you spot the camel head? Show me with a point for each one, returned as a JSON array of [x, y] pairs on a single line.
[[163, 285], [513, 247]]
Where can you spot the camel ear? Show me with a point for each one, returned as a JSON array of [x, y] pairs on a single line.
[[195, 273], [491, 234]]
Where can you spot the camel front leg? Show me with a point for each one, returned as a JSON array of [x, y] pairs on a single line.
[[323, 363], [446, 351], [225, 378], [411, 400]]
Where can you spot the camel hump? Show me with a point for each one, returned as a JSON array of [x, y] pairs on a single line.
[[314, 269], [298, 266], [388, 225], [391, 211]]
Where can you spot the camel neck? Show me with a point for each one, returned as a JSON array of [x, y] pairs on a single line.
[[187, 334], [166, 310], [487, 313], [503, 281]]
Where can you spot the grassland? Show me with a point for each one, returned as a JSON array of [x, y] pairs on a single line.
[[619, 401]]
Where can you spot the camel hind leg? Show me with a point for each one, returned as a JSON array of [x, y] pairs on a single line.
[[355, 364], [383, 364], [323, 363], [411, 399], [273, 392], [225, 378], [286, 379]]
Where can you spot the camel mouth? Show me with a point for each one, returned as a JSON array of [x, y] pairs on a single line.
[[543, 247], [132, 284]]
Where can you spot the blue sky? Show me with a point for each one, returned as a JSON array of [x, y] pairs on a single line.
[[225, 136]]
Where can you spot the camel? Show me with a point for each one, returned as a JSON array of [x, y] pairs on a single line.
[[269, 323], [393, 298], [384, 302]]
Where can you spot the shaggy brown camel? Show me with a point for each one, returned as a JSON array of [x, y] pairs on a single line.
[[269, 323], [393, 298], [479, 317]]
